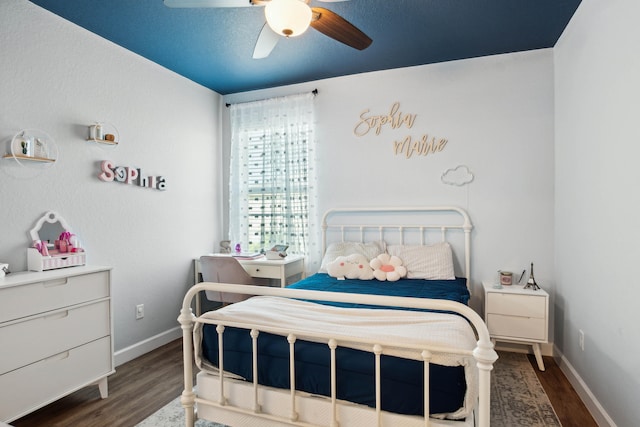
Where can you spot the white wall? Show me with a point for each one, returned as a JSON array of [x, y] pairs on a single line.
[[496, 112], [597, 69], [60, 78]]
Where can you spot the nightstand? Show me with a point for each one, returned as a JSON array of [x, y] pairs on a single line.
[[515, 314]]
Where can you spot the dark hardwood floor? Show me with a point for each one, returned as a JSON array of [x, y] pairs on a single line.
[[144, 385], [566, 402]]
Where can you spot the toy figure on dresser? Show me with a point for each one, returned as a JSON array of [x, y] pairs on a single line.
[[531, 283]]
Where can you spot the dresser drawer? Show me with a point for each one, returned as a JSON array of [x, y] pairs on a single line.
[[516, 305], [35, 385], [264, 271], [38, 297], [36, 338], [524, 328]]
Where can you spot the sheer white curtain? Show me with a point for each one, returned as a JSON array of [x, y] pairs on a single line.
[[272, 185]]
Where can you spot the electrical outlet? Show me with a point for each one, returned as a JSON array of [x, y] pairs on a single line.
[[139, 311], [581, 332]]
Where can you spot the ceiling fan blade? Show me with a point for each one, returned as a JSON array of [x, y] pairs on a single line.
[[208, 3], [267, 40], [335, 26]]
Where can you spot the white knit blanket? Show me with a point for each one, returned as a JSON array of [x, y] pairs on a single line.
[[400, 333]]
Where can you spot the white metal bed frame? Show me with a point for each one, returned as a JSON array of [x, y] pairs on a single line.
[[421, 228], [218, 404]]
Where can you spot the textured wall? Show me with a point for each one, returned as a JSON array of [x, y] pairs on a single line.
[[497, 114], [60, 78], [597, 199]]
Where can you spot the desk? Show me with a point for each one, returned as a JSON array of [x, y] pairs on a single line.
[[282, 270]]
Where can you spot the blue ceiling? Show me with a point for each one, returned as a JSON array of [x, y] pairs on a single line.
[[214, 46]]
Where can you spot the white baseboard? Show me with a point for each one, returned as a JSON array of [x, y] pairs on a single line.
[[145, 346], [593, 406]]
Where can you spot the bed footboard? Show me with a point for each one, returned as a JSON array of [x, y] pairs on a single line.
[[483, 354]]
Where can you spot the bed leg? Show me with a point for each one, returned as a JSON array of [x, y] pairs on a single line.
[[485, 355], [187, 398]]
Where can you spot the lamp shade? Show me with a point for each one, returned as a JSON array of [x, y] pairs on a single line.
[[288, 17]]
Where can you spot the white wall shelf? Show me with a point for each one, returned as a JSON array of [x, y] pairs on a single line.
[[100, 132], [32, 146]]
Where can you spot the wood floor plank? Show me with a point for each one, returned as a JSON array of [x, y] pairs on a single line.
[[144, 385], [565, 400]]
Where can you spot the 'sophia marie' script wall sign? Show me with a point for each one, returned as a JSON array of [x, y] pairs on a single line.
[[395, 119]]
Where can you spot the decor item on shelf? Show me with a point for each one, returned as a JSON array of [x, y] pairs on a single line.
[[531, 283], [103, 133], [32, 146], [53, 245]]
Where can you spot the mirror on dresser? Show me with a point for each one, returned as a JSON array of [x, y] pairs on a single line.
[[49, 227]]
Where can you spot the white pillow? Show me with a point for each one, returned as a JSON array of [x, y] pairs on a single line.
[[369, 250], [354, 266], [433, 262]]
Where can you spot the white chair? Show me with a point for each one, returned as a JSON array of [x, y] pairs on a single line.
[[226, 269]]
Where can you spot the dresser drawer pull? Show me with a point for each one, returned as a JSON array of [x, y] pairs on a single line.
[[52, 283], [59, 356], [60, 315]]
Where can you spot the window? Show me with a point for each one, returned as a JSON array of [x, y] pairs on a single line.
[[272, 183]]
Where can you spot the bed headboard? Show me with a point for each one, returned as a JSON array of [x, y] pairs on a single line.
[[403, 225]]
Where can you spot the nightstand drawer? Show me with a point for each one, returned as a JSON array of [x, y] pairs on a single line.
[[264, 271], [524, 328], [516, 305]]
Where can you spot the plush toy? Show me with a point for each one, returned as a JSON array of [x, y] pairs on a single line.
[[354, 266], [387, 267]]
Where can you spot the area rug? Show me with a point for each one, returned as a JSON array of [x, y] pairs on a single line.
[[517, 399]]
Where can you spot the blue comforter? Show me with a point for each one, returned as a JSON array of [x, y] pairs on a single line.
[[402, 388], [452, 290]]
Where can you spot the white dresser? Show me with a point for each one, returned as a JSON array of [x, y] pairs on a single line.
[[55, 334]]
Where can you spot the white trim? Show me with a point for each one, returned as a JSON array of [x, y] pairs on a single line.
[[143, 347], [593, 405]]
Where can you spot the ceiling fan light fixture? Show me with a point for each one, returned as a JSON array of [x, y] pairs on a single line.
[[289, 18]]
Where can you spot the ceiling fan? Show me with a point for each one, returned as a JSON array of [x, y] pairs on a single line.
[[289, 18]]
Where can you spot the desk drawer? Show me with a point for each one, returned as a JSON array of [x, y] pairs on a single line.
[[517, 305], [523, 328], [35, 385], [38, 338], [265, 271], [39, 297]]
